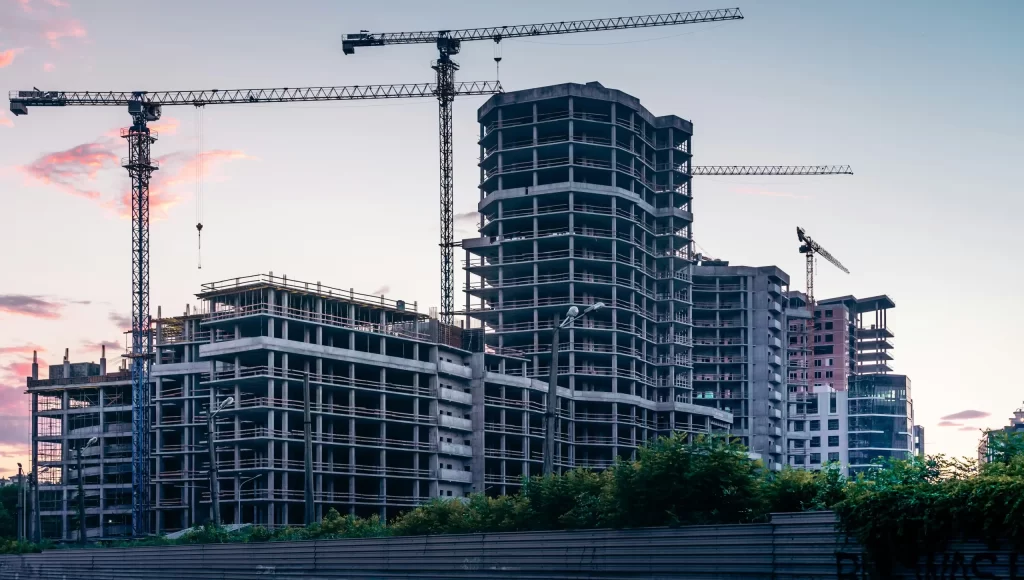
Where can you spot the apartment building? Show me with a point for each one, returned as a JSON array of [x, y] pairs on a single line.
[[845, 405], [739, 342]]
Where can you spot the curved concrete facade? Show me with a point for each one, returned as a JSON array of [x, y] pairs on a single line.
[[585, 197]]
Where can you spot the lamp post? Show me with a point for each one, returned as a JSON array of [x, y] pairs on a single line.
[[307, 439], [551, 410], [81, 488], [21, 505], [37, 519], [214, 482], [238, 498]]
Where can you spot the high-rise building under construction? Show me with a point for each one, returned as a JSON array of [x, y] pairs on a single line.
[[585, 198]]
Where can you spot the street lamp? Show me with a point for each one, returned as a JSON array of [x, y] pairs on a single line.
[[214, 483], [21, 505], [551, 410], [81, 488], [37, 519], [238, 498]]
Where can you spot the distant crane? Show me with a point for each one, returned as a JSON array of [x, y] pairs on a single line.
[[144, 107], [776, 170], [771, 170], [809, 248], [448, 43]]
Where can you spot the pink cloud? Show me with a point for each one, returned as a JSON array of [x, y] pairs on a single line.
[[21, 349], [48, 67], [111, 345], [968, 428], [12, 453], [31, 306], [21, 369], [176, 169], [73, 169], [63, 29], [69, 168], [5, 122], [948, 424], [967, 414], [13, 376], [7, 56], [122, 321], [26, 5], [165, 126], [57, 3]]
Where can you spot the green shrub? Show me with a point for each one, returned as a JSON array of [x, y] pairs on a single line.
[[676, 481]]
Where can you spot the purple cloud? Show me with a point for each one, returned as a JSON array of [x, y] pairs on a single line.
[[966, 414]]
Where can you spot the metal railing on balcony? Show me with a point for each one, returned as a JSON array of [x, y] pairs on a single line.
[[399, 329], [333, 380], [321, 437]]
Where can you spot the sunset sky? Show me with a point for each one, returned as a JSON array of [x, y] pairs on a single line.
[[921, 97]]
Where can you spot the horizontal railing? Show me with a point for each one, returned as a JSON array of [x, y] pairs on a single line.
[[263, 308], [320, 437], [333, 380], [313, 287]]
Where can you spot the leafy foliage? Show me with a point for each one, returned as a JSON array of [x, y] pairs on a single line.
[[898, 512], [676, 482], [906, 509]]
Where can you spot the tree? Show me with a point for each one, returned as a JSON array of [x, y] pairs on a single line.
[[680, 481]]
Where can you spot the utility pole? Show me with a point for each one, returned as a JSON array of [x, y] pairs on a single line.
[[308, 441]]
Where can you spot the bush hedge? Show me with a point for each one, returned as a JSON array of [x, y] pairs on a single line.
[[918, 505]]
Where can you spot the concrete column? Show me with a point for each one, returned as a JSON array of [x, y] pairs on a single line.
[[271, 308], [284, 312]]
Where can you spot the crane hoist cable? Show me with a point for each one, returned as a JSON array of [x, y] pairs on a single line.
[[200, 172]]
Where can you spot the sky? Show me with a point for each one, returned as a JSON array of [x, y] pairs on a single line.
[[921, 97]]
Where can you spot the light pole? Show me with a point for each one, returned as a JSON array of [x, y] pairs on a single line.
[[81, 488], [37, 519], [551, 409], [214, 482], [307, 439], [238, 498], [21, 505]]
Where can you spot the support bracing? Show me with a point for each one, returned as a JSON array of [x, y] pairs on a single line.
[[140, 168], [445, 68]]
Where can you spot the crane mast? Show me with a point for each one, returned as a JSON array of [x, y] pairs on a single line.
[[808, 247], [448, 43], [144, 107]]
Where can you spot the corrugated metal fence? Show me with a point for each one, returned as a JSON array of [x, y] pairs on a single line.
[[791, 547]]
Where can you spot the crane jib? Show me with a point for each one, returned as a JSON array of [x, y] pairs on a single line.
[[497, 33], [21, 100]]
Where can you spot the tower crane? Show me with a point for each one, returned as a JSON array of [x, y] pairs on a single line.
[[449, 43], [771, 170], [809, 248], [144, 106], [776, 170]]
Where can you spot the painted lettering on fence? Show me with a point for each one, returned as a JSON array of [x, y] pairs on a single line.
[[954, 565]]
